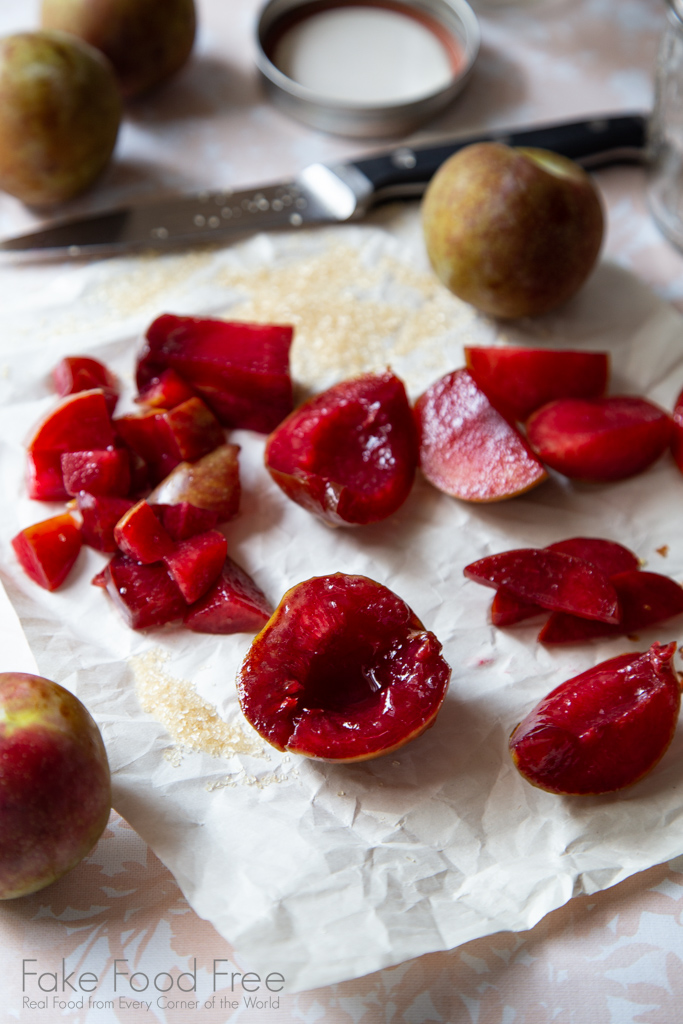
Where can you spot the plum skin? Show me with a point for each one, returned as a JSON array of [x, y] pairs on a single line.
[[343, 671], [55, 789], [60, 111]]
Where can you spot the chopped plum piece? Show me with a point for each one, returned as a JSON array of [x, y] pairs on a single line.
[[47, 550], [146, 435], [606, 555], [104, 472], [521, 380], [81, 373], [212, 483], [145, 595], [165, 391], [140, 535], [184, 520], [234, 604], [349, 454], [195, 564], [600, 439], [645, 598], [100, 514], [467, 448], [241, 370], [79, 423], [603, 729], [551, 579], [44, 478], [343, 671]]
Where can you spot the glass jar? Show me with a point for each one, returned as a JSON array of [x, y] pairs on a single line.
[[665, 186]]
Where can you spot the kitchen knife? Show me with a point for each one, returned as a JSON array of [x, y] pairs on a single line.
[[320, 194]]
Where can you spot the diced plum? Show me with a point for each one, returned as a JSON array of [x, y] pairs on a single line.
[[211, 483], [145, 595], [645, 598], [79, 423], [348, 455], [600, 439], [195, 564], [100, 514], [48, 550], [521, 380], [165, 391], [603, 729], [241, 370], [467, 448], [193, 429], [184, 520], [234, 604], [81, 373], [44, 478], [104, 472], [606, 555], [343, 671], [551, 579], [140, 535]]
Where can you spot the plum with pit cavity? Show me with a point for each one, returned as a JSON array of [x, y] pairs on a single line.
[[349, 454], [603, 729], [343, 671], [59, 116]]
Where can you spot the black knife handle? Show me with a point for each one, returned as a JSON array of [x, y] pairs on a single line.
[[600, 141]]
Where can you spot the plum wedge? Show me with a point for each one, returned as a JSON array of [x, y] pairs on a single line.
[[550, 579], [343, 671], [241, 370], [467, 448], [211, 483], [601, 439], [348, 455], [603, 729], [234, 604], [47, 551], [82, 373], [521, 380]]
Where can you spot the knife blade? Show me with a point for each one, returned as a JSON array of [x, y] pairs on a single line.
[[319, 194]]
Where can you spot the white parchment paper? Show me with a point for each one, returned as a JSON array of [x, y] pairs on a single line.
[[325, 872]]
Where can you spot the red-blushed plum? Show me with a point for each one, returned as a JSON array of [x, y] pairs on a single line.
[[514, 232], [146, 41], [60, 110], [603, 729], [342, 671], [55, 792]]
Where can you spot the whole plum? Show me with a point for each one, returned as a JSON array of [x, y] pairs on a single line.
[[60, 110], [146, 41]]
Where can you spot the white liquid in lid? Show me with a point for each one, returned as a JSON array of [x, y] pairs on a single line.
[[364, 55]]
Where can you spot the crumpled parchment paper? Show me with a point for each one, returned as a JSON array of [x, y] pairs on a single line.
[[327, 872]]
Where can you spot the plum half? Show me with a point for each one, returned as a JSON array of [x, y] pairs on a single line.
[[342, 671], [348, 455], [603, 729]]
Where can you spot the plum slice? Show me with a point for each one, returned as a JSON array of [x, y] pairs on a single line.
[[104, 472], [600, 439], [234, 604], [521, 380], [195, 563], [343, 671], [140, 535], [551, 579], [81, 373], [467, 448], [79, 423], [607, 555], [241, 370], [145, 595], [47, 550], [645, 598], [603, 729], [348, 455], [211, 483]]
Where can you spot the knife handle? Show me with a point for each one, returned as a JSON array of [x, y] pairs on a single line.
[[406, 170]]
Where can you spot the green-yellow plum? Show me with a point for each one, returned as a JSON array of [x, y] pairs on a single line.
[[55, 791], [60, 110], [514, 232], [147, 41]]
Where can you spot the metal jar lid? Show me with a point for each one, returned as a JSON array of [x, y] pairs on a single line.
[[438, 39]]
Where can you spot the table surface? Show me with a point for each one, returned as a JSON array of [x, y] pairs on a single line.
[[611, 957]]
